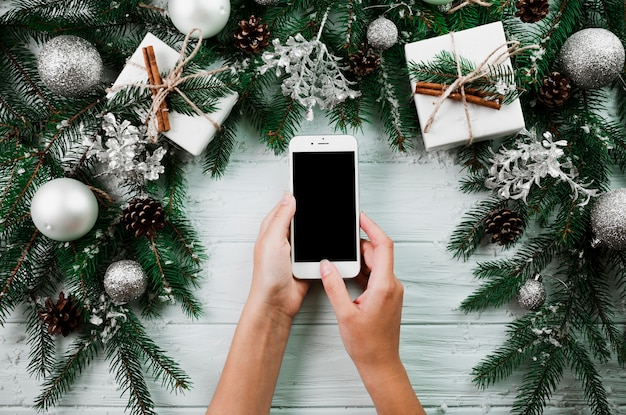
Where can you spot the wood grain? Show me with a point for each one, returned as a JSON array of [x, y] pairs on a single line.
[[415, 198]]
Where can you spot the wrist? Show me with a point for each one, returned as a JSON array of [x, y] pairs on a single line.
[[380, 370], [260, 307]]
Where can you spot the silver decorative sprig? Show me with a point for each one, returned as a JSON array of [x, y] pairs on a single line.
[[122, 150], [514, 171], [315, 76]]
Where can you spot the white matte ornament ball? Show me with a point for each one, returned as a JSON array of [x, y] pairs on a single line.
[[382, 33], [125, 281], [64, 209], [69, 66], [592, 58], [210, 16], [608, 220]]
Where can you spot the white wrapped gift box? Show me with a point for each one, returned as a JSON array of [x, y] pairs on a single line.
[[449, 128], [191, 132]]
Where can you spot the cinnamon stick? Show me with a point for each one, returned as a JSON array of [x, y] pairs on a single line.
[[154, 77], [474, 99], [472, 95], [471, 91]]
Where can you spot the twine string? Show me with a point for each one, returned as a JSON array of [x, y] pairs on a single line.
[[171, 84], [467, 3]]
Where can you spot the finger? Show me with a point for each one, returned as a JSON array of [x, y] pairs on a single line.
[[362, 279], [335, 288], [376, 235], [277, 222], [379, 253]]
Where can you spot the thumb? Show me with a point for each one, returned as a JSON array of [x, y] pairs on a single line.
[[278, 220], [335, 287]]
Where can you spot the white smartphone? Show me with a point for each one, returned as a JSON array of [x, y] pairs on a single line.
[[325, 183]]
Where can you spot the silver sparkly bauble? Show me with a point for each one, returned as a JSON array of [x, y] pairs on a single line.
[[382, 33], [210, 16], [69, 65], [532, 294], [592, 58], [265, 2], [125, 281], [608, 220], [64, 209]]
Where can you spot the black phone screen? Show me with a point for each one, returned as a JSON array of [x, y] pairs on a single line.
[[325, 220]]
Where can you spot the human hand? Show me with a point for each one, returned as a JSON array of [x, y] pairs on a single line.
[[273, 283], [370, 325]]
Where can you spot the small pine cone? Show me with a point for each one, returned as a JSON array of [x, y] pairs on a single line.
[[531, 11], [143, 217], [364, 62], [555, 90], [62, 317], [505, 225], [252, 36]]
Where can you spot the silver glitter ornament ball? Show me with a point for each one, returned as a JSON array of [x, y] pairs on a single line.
[[592, 58], [265, 2], [125, 281], [382, 33], [64, 209], [608, 220], [69, 65], [532, 294]]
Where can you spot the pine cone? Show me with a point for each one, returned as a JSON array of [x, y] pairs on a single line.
[[144, 217], [505, 225], [252, 36], [554, 90], [364, 62], [62, 317], [531, 11]]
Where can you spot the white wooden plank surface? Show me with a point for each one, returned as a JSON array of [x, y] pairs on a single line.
[[415, 198]]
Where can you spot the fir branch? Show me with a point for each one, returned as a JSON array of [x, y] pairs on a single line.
[[10, 289], [174, 184], [42, 346], [348, 114], [469, 233], [520, 347], [540, 381], [125, 363], [476, 157], [218, 152], [63, 376], [161, 366], [588, 375], [283, 119], [33, 87], [508, 275], [394, 114]]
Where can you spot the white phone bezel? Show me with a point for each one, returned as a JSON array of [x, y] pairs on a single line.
[[324, 143]]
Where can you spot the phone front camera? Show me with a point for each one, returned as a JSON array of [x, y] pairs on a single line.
[[311, 143]]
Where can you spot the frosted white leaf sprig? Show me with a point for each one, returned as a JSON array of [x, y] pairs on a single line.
[[121, 148], [315, 76], [514, 171]]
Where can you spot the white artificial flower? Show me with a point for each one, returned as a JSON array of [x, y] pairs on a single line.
[[315, 77], [124, 152], [514, 171]]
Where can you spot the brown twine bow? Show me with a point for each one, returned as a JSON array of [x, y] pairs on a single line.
[[481, 70], [467, 3], [171, 82]]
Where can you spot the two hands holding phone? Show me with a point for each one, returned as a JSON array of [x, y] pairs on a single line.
[[369, 325]]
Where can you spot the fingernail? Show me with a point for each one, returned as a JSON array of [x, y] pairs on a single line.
[[325, 267], [286, 199]]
